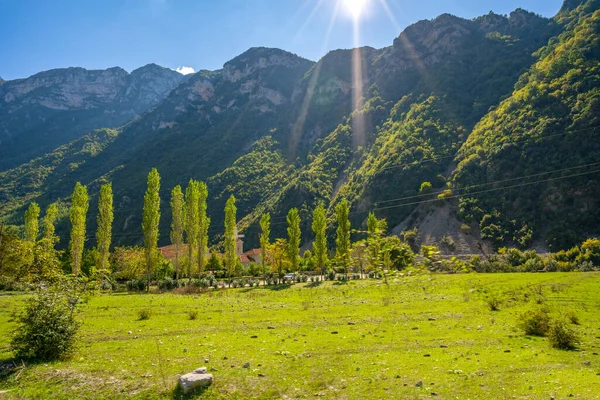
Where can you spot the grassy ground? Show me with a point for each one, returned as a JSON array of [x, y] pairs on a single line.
[[351, 341]]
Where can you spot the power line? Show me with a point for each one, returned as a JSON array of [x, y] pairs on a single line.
[[480, 192], [466, 188]]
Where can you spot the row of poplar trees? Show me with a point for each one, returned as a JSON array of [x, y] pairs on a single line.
[[190, 224]]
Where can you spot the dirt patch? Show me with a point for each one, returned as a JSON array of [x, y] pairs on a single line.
[[435, 222]]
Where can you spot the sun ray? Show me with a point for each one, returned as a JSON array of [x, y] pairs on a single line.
[[298, 127]]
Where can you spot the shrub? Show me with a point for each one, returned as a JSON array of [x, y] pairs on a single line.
[[168, 284], [535, 323], [573, 318], [561, 336], [136, 285], [193, 314], [46, 330], [493, 302], [144, 314]]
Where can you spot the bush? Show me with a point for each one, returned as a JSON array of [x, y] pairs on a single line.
[[144, 314], [168, 284], [47, 328], [562, 336], [136, 285], [193, 314], [535, 323], [493, 302]]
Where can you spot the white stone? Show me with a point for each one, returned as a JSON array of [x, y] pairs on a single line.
[[195, 380]]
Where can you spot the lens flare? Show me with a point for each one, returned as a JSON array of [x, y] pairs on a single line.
[[356, 8]]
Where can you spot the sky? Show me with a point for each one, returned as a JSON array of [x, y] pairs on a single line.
[[38, 35]]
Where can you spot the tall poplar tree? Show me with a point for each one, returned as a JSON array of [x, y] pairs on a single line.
[[32, 216], [192, 223], [230, 236], [342, 241], [105, 220], [319, 227], [150, 221], [49, 221], [203, 223], [78, 215], [293, 231], [265, 226], [177, 223]]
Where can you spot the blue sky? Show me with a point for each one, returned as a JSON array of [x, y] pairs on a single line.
[[37, 35]]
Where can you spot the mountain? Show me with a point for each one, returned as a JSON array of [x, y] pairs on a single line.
[[442, 104], [51, 108]]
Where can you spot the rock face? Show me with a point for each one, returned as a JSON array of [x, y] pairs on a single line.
[[195, 380], [51, 108]]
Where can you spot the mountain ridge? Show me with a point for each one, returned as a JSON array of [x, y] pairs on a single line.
[[269, 113]]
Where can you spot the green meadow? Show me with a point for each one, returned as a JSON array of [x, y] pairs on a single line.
[[429, 336]]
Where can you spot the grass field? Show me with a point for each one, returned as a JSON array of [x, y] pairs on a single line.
[[360, 340]]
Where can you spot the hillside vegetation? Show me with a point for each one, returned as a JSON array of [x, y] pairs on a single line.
[[451, 107]]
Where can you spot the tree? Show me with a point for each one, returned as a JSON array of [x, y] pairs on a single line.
[[265, 226], [293, 231], [177, 223], [203, 224], [279, 257], [32, 216], [49, 221], [78, 213], [192, 223], [150, 221], [342, 241], [376, 228], [319, 227], [104, 231], [230, 236], [358, 255]]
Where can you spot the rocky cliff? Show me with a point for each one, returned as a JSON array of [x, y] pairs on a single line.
[[54, 107]]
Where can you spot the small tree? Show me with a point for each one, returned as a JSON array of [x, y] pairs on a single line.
[[150, 221], [376, 230], [265, 226], [279, 257], [105, 220], [230, 237], [319, 227], [342, 241], [32, 216], [177, 224], [293, 231], [78, 215]]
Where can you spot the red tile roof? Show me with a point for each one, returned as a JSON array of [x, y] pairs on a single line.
[[253, 252], [168, 252]]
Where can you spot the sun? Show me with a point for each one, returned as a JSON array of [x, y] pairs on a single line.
[[355, 8]]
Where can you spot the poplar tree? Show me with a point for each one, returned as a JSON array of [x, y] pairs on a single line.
[[319, 227], [230, 237], [192, 226], [32, 216], [177, 223], [293, 231], [77, 215], [376, 228], [265, 226], [150, 221], [49, 221], [203, 223], [342, 241], [105, 219]]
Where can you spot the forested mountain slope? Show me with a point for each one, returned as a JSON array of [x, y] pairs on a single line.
[[437, 106], [52, 108]]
